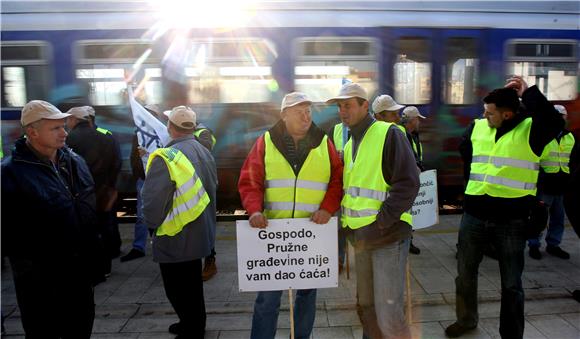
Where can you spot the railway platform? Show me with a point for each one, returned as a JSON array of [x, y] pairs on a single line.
[[132, 302]]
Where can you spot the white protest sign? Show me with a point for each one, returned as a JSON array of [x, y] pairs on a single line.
[[289, 253], [425, 210]]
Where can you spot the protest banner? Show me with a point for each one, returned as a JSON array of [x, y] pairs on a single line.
[[288, 254], [425, 210]]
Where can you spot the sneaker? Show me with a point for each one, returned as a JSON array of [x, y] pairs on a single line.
[[535, 253], [455, 330], [174, 328], [557, 252], [209, 269], [133, 254], [414, 249]]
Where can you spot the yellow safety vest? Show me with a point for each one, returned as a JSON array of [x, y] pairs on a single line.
[[104, 131], [291, 196], [556, 155], [337, 137], [198, 132], [365, 188], [507, 168], [416, 149], [189, 199]]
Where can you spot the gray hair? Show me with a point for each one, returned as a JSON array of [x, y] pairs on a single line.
[[34, 125]]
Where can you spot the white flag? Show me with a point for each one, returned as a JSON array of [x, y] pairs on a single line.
[[151, 133]]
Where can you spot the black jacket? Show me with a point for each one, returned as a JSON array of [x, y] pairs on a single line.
[[48, 213], [102, 156], [546, 124]]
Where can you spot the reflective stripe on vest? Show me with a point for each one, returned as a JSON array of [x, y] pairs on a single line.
[[290, 196], [507, 168], [104, 131], [365, 188], [189, 199], [556, 155], [198, 132]]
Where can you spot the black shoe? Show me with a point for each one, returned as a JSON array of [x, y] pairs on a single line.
[[576, 295], [455, 330], [133, 254], [557, 252], [535, 253], [414, 249], [174, 328]]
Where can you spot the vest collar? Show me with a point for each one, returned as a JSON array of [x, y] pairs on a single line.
[[180, 139], [357, 131]]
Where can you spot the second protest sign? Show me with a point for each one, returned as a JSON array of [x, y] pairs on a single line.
[[289, 253]]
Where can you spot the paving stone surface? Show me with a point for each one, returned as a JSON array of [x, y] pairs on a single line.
[[132, 302]]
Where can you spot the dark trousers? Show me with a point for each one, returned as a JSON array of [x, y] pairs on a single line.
[[184, 289], [509, 240], [110, 236], [54, 303]]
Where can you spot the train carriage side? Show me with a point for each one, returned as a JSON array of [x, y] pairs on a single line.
[[235, 78]]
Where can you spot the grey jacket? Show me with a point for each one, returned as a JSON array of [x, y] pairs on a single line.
[[197, 238]]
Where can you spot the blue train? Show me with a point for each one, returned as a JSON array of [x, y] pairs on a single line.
[[232, 61]]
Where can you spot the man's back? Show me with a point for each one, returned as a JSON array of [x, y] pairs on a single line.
[[196, 239]]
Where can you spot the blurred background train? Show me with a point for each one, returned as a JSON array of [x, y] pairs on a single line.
[[233, 61]]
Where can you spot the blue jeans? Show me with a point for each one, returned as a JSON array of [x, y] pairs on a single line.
[[556, 224], [509, 240], [140, 237], [380, 275], [267, 308]]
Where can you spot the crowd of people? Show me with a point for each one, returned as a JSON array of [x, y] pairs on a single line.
[[519, 161]]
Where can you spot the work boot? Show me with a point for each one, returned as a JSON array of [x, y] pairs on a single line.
[[455, 330], [557, 252], [133, 254], [209, 269], [414, 249], [175, 328], [535, 253]]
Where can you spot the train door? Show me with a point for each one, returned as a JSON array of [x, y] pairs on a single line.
[[459, 67]]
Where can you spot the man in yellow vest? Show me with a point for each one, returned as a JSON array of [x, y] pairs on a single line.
[[374, 207], [410, 120], [552, 182], [339, 135], [179, 204], [293, 171], [386, 109], [503, 151]]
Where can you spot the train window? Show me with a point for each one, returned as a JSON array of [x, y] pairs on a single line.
[[231, 71], [552, 65], [24, 72], [412, 71], [461, 71], [105, 66], [324, 63]]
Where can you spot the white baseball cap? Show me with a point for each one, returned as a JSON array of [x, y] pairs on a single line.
[[349, 90], [81, 112], [293, 99], [561, 109], [385, 103], [182, 116], [411, 112], [36, 110], [90, 109]]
